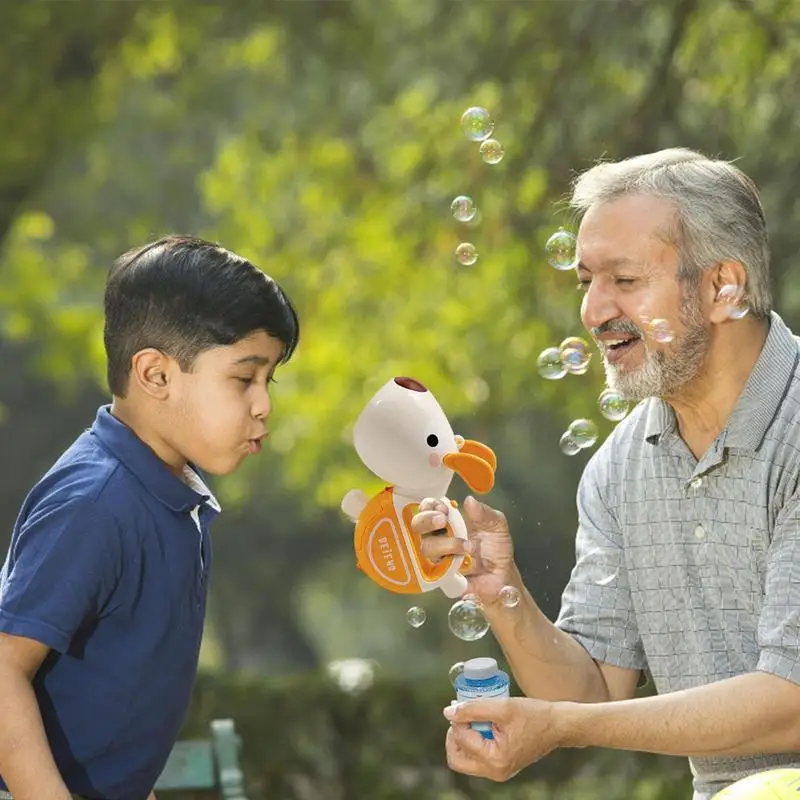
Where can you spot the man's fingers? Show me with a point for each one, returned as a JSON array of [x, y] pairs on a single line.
[[433, 504], [434, 547], [458, 760], [428, 521], [470, 742]]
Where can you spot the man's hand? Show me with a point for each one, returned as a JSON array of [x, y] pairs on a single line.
[[489, 545], [524, 731]]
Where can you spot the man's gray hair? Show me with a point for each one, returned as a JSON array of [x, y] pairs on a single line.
[[718, 212]]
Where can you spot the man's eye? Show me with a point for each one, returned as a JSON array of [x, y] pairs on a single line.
[[625, 281]]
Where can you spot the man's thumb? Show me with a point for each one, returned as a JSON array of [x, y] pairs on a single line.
[[473, 711], [477, 512]]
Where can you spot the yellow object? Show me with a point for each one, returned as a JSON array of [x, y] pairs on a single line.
[[774, 784]]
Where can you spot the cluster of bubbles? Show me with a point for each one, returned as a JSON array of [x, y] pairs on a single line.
[[572, 356], [478, 126], [466, 619], [580, 435]]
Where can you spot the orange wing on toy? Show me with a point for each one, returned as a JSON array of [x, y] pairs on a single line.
[[388, 552]]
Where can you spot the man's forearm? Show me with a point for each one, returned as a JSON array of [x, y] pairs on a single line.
[[547, 663], [26, 761], [746, 715]]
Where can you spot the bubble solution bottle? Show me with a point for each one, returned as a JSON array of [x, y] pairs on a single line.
[[482, 678]]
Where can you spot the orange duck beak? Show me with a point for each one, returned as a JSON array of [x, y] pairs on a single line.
[[474, 463]]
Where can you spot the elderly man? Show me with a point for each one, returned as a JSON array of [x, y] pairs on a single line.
[[688, 544]]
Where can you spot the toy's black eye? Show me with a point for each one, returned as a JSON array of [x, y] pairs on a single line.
[[432, 440]]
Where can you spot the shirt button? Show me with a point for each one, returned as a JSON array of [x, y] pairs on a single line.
[[700, 532], [696, 483]]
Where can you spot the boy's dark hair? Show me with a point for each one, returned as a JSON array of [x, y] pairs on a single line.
[[183, 295]]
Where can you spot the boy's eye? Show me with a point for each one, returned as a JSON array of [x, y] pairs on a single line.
[[245, 381]]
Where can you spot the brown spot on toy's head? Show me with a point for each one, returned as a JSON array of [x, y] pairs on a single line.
[[410, 383]]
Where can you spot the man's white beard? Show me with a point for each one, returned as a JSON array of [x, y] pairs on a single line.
[[664, 374]]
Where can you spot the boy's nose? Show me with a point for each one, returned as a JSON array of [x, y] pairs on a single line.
[[262, 406]]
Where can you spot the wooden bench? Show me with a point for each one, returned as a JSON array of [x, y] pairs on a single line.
[[206, 763]]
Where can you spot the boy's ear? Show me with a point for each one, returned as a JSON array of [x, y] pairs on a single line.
[[150, 371]]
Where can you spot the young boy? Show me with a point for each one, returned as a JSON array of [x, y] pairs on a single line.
[[103, 593]]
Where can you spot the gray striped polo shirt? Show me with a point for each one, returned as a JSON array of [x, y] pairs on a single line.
[[690, 568]]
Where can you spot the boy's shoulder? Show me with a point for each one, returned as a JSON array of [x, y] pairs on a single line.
[[111, 471], [85, 474]]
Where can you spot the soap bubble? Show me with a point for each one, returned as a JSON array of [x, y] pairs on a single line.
[[416, 616], [660, 330], [509, 596], [477, 124], [568, 445], [463, 208], [466, 620], [455, 671], [467, 254], [560, 250], [613, 405], [575, 355], [550, 365], [584, 432], [491, 151], [733, 296], [469, 597]]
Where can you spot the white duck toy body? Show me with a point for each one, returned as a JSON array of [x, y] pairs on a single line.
[[404, 437]]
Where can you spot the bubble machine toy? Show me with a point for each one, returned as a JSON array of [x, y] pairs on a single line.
[[404, 437]]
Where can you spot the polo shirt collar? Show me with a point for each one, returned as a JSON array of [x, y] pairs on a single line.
[[759, 401], [659, 419], [765, 388], [147, 467]]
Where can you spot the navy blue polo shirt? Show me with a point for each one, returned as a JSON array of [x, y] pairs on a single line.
[[108, 566]]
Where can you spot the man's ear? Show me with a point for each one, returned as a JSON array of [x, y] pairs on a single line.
[[728, 288], [151, 372]]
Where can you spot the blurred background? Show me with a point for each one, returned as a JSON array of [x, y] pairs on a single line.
[[321, 139]]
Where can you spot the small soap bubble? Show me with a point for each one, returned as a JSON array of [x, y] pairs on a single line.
[[416, 616], [467, 254], [568, 445], [509, 596], [463, 208], [550, 365], [613, 405], [584, 432], [660, 330], [733, 296], [560, 250], [575, 355], [455, 671], [466, 620], [477, 124], [491, 151]]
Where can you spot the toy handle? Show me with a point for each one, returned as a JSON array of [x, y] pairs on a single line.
[[454, 584]]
